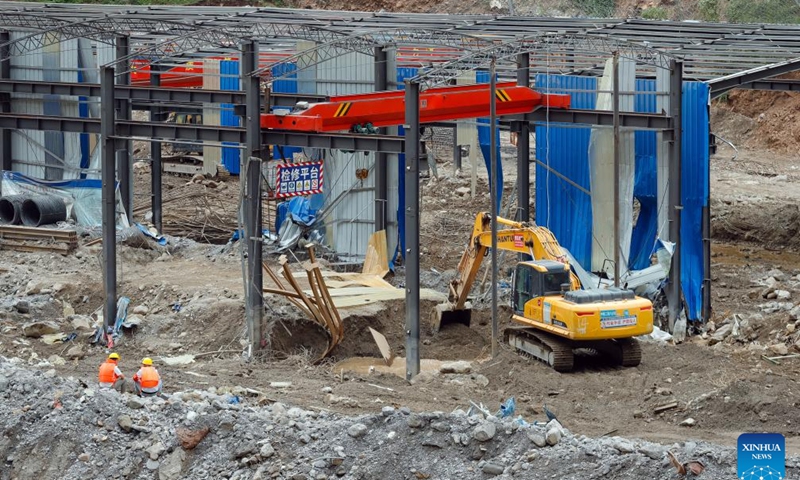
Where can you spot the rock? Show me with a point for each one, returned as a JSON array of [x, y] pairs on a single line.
[[776, 275], [790, 328], [794, 313], [135, 403], [22, 306], [125, 422], [689, 422], [81, 323], [75, 353], [484, 432], [32, 288], [55, 360], [463, 191], [622, 445], [553, 435], [141, 310], [172, 466], [191, 415], [652, 451], [779, 349], [415, 421], [156, 450], [721, 334], [37, 329], [266, 451], [782, 295], [459, 367], [68, 310], [537, 438], [387, 411], [152, 465], [481, 380], [357, 430], [490, 468], [441, 426], [189, 438], [83, 457]]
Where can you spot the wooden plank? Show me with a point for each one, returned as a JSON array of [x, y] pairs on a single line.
[[326, 294], [665, 407], [376, 260], [383, 346], [287, 273], [395, 294], [28, 247]]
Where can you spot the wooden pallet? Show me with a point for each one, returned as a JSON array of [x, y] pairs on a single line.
[[30, 239]]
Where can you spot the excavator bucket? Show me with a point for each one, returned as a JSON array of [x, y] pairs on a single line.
[[446, 314]]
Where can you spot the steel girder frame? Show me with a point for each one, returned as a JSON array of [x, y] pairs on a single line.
[[365, 42], [722, 85]]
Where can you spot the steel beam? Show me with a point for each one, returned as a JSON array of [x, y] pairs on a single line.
[[494, 192], [108, 169], [523, 148], [771, 84], [205, 133], [381, 158], [599, 118], [615, 103], [155, 156], [674, 206], [124, 160], [412, 228], [723, 84], [254, 308], [142, 96], [5, 103]]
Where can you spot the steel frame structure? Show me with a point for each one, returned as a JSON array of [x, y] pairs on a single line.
[[726, 56]]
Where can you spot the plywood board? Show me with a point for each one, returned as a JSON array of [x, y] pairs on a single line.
[[376, 260], [383, 345]]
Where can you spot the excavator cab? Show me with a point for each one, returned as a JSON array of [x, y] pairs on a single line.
[[538, 279]]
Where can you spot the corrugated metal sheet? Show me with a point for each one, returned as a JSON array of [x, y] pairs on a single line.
[[561, 207], [644, 188], [229, 80], [212, 155], [27, 145], [70, 107], [350, 219], [696, 98]]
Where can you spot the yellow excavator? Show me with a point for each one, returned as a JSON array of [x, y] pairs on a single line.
[[554, 314]]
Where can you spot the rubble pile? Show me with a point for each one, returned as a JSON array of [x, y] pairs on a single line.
[[63, 428]]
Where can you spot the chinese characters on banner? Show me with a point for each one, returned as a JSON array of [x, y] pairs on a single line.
[[296, 179]]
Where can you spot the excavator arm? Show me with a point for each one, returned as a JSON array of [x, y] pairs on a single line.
[[536, 241]]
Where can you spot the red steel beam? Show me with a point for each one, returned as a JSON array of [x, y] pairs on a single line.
[[384, 109]]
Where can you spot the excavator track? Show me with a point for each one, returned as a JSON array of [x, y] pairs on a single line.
[[555, 352], [631, 352]]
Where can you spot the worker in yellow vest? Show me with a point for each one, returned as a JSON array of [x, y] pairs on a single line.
[[147, 381], [110, 376]]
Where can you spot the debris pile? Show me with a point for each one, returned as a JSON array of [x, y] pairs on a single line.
[[241, 434]]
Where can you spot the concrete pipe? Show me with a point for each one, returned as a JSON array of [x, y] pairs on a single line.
[[11, 208], [43, 210]]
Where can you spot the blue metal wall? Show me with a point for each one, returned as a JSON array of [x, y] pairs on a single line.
[[485, 142], [288, 84], [229, 80], [567, 211]]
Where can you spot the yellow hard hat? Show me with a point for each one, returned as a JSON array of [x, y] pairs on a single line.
[[113, 356], [147, 361]]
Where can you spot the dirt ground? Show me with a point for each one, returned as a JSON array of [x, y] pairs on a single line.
[[726, 388]]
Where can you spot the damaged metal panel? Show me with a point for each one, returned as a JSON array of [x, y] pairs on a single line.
[[27, 146], [70, 107]]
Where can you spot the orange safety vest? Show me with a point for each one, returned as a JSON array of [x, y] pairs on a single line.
[[149, 378], [107, 374]]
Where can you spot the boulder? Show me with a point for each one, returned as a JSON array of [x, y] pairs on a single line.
[[357, 430], [38, 329], [484, 432], [459, 367], [189, 438], [81, 323], [172, 466], [779, 349], [125, 422], [75, 353]]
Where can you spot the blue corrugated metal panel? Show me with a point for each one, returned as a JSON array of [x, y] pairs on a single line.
[[645, 187], [229, 80], [485, 142], [695, 192], [402, 74], [564, 209], [287, 84]]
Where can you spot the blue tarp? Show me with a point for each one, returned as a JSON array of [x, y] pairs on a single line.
[[567, 211], [485, 142]]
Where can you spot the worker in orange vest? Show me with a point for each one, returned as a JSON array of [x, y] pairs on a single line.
[[147, 381], [110, 376]]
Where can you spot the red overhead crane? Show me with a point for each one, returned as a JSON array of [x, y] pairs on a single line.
[[384, 109]]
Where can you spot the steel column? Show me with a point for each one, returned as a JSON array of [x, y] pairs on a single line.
[[5, 102], [155, 155], [126, 165], [108, 165], [493, 178], [615, 107], [412, 228], [252, 203], [381, 159], [523, 147], [674, 294]]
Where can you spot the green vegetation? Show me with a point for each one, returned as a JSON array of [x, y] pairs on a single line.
[[596, 8], [655, 13]]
